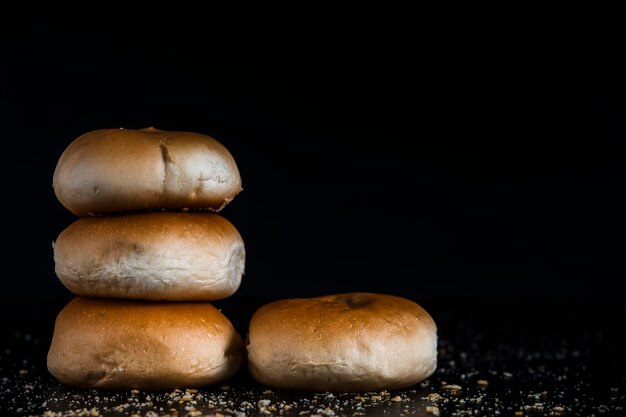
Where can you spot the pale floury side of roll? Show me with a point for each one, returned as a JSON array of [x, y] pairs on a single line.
[[112, 170], [152, 256], [348, 342], [122, 344]]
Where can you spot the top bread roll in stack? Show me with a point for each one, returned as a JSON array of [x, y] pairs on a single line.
[[147, 231]]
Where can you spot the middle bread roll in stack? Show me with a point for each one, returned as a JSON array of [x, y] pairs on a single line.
[[151, 256], [138, 240]]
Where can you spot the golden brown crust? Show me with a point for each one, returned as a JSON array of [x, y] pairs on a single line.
[[153, 256], [120, 344], [112, 170], [344, 342]]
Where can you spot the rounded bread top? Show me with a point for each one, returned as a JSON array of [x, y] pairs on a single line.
[[113, 170]]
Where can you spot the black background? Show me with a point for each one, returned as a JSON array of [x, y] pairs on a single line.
[[377, 153]]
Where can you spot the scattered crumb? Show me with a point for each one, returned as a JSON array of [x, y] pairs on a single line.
[[432, 410], [433, 396]]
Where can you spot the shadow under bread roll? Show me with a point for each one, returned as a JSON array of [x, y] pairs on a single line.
[[124, 344]]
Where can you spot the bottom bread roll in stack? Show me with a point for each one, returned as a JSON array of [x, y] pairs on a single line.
[[343, 343], [124, 344]]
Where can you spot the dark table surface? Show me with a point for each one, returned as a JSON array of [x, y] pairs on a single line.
[[508, 358]]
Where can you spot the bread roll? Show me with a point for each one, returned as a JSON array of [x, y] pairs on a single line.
[[112, 170], [152, 256], [121, 344], [343, 343]]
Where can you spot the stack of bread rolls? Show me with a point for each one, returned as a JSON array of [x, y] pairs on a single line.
[[145, 256]]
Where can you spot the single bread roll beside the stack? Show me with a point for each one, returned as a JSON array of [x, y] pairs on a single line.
[[123, 344], [151, 256], [344, 343], [112, 170]]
